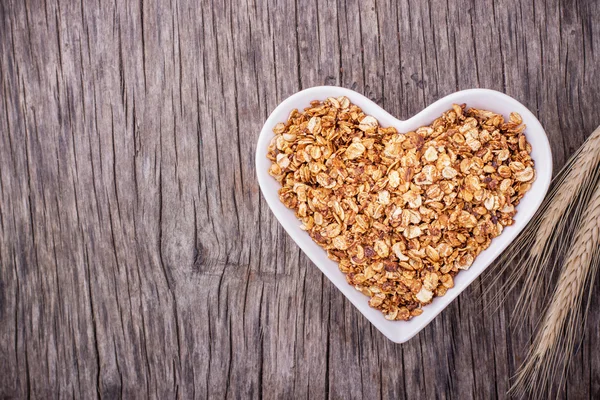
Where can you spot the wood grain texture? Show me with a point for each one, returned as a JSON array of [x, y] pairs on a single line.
[[137, 256]]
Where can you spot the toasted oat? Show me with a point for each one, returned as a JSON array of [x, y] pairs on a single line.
[[401, 213]]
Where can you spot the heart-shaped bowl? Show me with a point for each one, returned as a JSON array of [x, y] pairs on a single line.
[[401, 331]]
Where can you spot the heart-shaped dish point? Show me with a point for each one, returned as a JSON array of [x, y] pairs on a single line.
[[401, 331]]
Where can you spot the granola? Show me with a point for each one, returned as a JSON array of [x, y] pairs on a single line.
[[402, 213]]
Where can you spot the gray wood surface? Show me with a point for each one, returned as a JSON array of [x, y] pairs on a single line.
[[137, 256]]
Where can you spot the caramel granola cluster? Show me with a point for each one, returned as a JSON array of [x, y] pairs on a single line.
[[401, 213]]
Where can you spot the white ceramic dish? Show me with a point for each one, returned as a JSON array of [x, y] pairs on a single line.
[[401, 331]]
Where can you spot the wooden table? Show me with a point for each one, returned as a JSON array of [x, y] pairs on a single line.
[[137, 255]]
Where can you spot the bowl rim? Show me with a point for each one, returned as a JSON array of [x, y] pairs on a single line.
[[402, 331]]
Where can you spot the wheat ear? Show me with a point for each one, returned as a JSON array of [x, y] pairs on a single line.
[[585, 160], [531, 251], [556, 338]]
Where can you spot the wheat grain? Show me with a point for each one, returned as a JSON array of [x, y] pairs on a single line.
[[557, 336]]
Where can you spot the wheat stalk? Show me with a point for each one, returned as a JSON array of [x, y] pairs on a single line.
[[531, 251], [556, 338]]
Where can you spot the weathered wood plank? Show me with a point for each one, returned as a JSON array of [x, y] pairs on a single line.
[[137, 256]]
